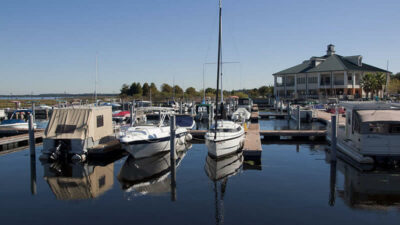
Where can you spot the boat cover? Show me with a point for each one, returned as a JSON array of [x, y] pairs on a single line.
[[379, 115], [184, 121], [80, 123]]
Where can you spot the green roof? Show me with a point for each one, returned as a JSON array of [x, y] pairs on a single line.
[[330, 63]]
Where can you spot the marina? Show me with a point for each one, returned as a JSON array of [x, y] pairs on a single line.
[[199, 112]]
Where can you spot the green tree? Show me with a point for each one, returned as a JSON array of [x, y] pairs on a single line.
[[166, 88], [146, 89], [153, 88], [178, 91], [368, 83], [135, 89], [394, 86], [210, 91], [191, 92], [124, 90], [265, 90], [380, 82], [395, 76]]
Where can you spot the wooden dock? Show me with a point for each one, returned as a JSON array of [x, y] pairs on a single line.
[[252, 142], [20, 140], [325, 117], [254, 117]]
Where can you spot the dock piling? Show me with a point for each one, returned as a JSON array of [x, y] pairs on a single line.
[[132, 111], [288, 110], [172, 158], [333, 138], [31, 135], [298, 118]]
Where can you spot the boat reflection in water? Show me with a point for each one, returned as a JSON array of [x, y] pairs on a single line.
[[377, 189], [150, 175], [219, 170], [70, 181]]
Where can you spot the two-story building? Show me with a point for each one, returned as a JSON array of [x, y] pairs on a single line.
[[330, 75]]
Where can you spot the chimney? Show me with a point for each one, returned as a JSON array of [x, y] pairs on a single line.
[[330, 50]]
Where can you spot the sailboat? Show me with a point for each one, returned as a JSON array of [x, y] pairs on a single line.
[[225, 137]]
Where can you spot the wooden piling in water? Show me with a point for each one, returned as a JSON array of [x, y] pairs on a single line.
[[172, 158], [31, 136], [333, 138]]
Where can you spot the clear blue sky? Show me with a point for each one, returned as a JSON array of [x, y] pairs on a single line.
[[50, 46]]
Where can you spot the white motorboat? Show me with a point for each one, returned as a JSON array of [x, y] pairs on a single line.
[[246, 103], [17, 121], [241, 114], [147, 140], [226, 140], [371, 132]]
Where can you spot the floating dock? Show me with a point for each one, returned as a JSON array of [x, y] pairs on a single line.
[[7, 143], [325, 117], [252, 142], [254, 117]]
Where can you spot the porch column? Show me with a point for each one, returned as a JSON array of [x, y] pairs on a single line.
[[306, 85], [284, 81]]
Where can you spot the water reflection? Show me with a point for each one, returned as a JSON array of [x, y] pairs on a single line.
[[77, 181], [219, 171], [377, 189], [148, 176]]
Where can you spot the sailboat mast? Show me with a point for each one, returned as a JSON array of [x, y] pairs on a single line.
[[218, 67]]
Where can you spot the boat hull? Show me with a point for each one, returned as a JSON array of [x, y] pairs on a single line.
[[221, 148], [147, 148]]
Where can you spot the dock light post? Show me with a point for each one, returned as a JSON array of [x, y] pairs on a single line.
[[288, 110], [172, 158], [298, 118], [333, 138]]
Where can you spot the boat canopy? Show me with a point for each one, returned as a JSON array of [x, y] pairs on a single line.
[[379, 116], [80, 123]]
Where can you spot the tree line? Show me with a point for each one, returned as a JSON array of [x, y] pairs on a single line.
[[166, 91], [372, 83]]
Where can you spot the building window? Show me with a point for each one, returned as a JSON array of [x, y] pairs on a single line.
[[100, 121], [301, 80], [313, 80]]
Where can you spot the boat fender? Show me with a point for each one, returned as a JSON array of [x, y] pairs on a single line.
[[188, 137]]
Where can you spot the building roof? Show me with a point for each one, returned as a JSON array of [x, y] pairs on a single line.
[[331, 62]]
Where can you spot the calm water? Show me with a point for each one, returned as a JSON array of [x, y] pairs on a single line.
[[294, 184]]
